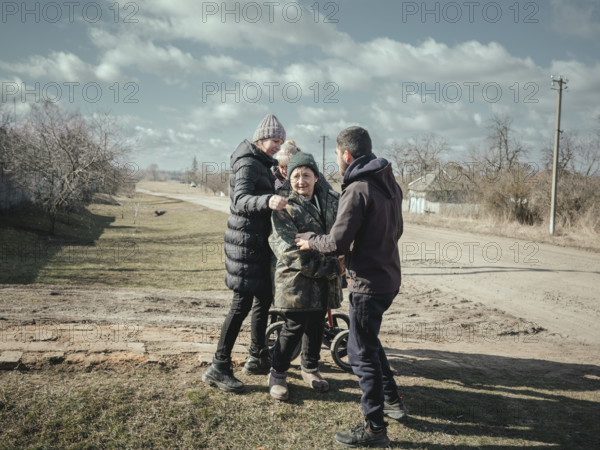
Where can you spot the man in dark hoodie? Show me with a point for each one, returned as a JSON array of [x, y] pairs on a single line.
[[367, 228]]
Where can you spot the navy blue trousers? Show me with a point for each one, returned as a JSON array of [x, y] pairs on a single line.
[[366, 355]]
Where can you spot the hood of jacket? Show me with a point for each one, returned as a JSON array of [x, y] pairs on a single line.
[[376, 170], [246, 149]]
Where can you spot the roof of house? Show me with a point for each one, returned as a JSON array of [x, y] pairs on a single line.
[[451, 178]]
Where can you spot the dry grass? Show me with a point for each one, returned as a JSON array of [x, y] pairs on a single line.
[[169, 407], [122, 244], [582, 235]]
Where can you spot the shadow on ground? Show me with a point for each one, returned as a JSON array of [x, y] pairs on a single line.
[[26, 245], [533, 403]]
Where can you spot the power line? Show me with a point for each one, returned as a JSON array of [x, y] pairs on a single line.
[[323, 140]]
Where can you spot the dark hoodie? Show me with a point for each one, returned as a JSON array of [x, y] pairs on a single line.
[[247, 251], [367, 227]]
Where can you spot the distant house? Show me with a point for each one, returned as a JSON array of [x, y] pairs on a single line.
[[440, 190]]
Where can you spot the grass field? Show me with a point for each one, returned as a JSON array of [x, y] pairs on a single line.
[[134, 405], [137, 407], [122, 244]]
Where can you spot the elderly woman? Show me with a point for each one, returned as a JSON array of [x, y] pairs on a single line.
[[289, 149], [305, 283]]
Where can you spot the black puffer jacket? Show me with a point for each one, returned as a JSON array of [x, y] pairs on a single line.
[[247, 251]]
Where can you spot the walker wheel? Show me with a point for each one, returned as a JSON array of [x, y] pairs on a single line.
[[339, 350], [272, 334]]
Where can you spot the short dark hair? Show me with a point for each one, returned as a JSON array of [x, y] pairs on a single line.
[[355, 140]]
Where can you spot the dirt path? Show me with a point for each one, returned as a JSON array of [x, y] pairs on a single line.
[[466, 299], [217, 203], [555, 288]]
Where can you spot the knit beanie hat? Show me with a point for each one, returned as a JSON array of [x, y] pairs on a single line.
[[302, 159], [270, 127], [289, 147]]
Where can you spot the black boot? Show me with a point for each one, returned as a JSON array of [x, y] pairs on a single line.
[[258, 362], [220, 374], [364, 435]]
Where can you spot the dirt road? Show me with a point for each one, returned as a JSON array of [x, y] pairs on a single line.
[[553, 288], [462, 295], [217, 203]]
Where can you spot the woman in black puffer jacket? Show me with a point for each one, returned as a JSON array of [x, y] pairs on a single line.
[[247, 251]]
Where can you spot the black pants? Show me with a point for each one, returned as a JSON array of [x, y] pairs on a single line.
[[241, 305], [305, 326], [366, 355]]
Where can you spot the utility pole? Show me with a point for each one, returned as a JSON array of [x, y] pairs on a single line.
[[323, 166], [560, 88]]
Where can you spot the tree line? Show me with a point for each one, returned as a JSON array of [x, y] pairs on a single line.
[[498, 175], [60, 159]]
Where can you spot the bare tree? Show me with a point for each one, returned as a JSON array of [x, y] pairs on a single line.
[[504, 150], [588, 156], [111, 171], [418, 155], [402, 160], [194, 171], [576, 154], [152, 172], [427, 150], [570, 145], [56, 157], [217, 182]]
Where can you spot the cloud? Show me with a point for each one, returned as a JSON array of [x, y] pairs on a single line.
[[223, 64], [128, 50], [57, 66], [315, 122], [214, 118], [272, 27], [431, 60], [164, 146], [310, 114]]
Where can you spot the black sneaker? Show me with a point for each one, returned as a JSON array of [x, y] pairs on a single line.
[[363, 436], [258, 363], [395, 410], [219, 374]]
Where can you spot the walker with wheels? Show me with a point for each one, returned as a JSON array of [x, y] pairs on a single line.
[[335, 336]]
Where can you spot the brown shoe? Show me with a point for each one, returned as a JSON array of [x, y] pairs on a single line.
[[315, 380]]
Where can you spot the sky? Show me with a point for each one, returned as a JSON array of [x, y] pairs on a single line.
[[188, 79]]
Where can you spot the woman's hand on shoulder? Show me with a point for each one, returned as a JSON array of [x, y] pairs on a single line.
[[277, 202]]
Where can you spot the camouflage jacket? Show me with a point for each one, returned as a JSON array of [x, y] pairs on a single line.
[[304, 280]]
